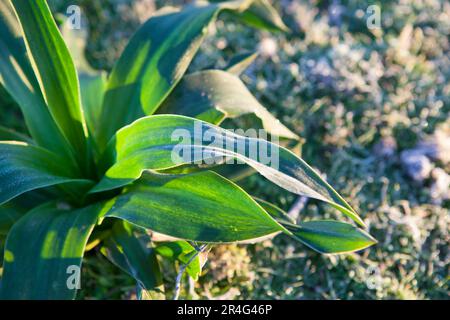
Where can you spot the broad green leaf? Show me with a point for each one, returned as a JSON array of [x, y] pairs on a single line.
[[183, 252], [154, 61], [262, 15], [157, 142], [201, 207], [133, 256], [331, 237], [55, 71], [18, 79], [44, 250], [24, 167], [9, 214], [11, 135], [239, 63], [213, 95]]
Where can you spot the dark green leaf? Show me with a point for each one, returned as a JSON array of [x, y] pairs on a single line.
[[44, 250], [276, 213], [92, 88], [17, 77], [133, 256], [201, 207], [156, 142], [11, 135], [262, 15]]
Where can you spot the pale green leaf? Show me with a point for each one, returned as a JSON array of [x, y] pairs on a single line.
[[156, 142], [201, 207], [182, 252]]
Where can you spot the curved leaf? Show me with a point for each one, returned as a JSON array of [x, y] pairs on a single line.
[[213, 95], [47, 266], [125, 250], [201, 207], [24, 167], [183, 252], [239, 63], [54, 69], [154, 61], [17, 77], [154, 143], [262, 15], [11, 135], [331, 237]]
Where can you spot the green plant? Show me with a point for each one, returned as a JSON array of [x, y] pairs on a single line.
[[98, 168]]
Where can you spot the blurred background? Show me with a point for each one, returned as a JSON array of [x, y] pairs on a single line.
[[372, 108]]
